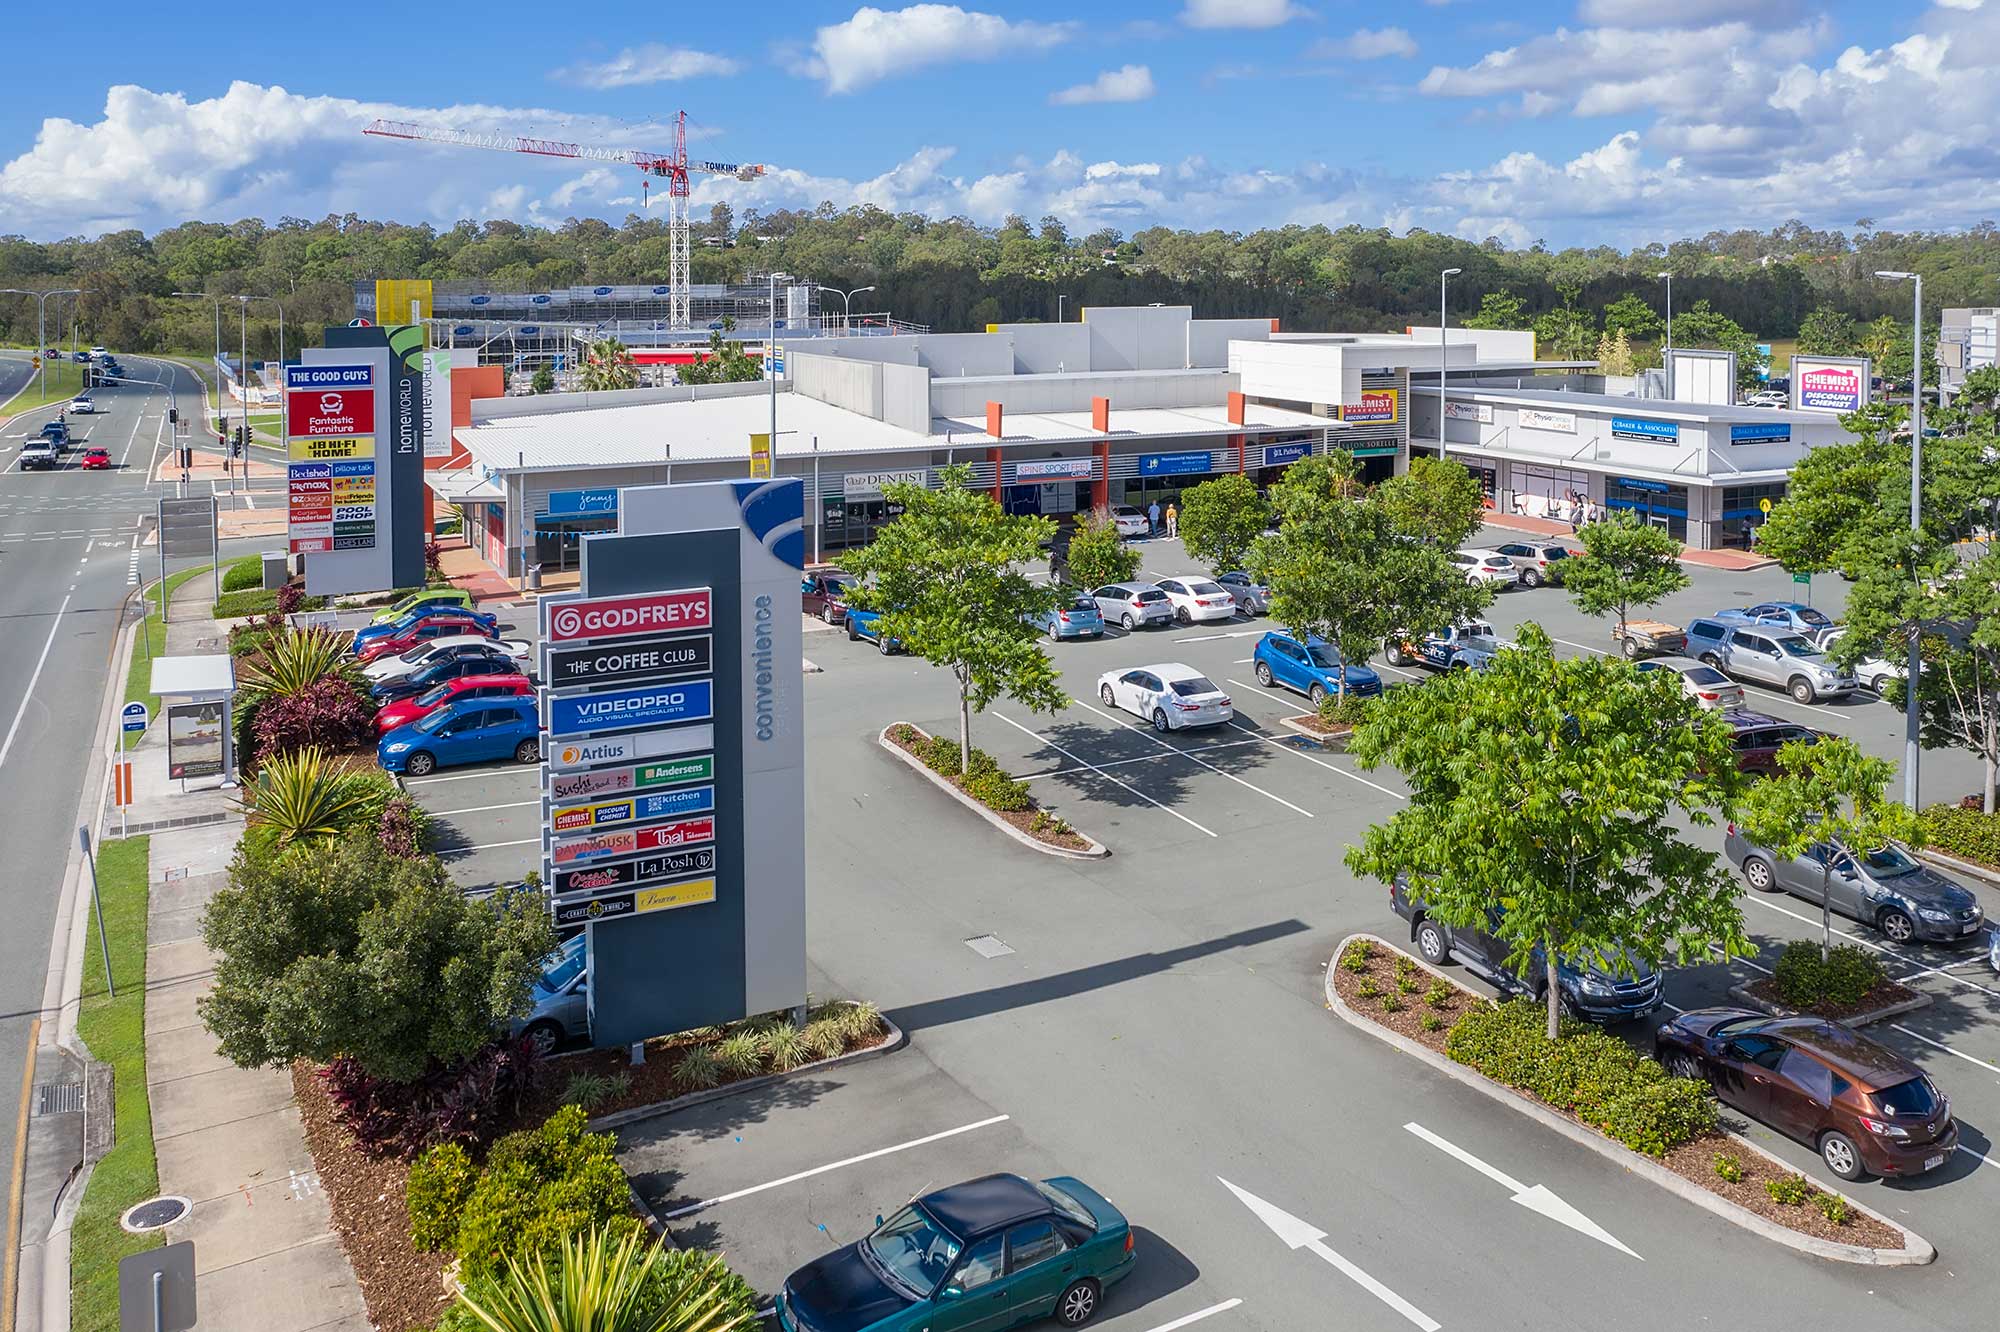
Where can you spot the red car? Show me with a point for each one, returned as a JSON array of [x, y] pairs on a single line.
[[444, 695], [97, 460], [439, 626]]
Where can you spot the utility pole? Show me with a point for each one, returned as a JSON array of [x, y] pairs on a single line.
[[41, 326], [1444, 350], [1914, 662]]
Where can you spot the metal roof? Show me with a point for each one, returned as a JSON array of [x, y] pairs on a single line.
[[181, 677]]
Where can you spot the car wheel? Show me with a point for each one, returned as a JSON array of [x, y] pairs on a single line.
[[852, 632], [826, 613], [418, 764], [1078, 1304], [1317, 695], [1710, 659], [543, 1037], [1110, 699], [1432, 943], [1631, 649], [1800, 689], [1160, 722], [1264, 674], [1842, 1157], [1394, 652], [1759, 875], [528, 751], [1897, 926], [1182, 615], [1531, 578], [884, 644], [1681, 1064], [1128, 622]]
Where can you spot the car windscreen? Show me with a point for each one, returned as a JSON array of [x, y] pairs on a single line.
[[1797, 647], [1199, 684], [435, 720], [913, 1250], [1206, 589], [1913, 1098], [560, 973], [414, 654], [1889, 862], [1325, 656], [1555, 552], [1705, 675], [435, 694]]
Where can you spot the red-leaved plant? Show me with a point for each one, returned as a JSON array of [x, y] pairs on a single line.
[[399, 829], [470, 1103], [330, 713]]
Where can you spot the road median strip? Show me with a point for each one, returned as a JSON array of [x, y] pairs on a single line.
[[1032, 826]]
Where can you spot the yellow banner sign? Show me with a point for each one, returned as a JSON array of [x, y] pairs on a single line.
[[320, 450], [760, 456], [402, 300], [689, 892]]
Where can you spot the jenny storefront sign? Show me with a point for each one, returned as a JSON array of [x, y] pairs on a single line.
[[1645, 430], [630, 659], [1761, 433], [632, 709], [619, 617], [1176, 464], [631, 747], [633, 841], [1055, 469], [583, 503]]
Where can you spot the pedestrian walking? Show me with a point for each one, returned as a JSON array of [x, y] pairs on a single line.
[[1173, 521], [1153, 518]]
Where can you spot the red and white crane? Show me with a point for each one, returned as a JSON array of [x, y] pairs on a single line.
[[676, 167]]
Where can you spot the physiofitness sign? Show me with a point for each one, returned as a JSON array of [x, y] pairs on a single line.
[[673, 806]]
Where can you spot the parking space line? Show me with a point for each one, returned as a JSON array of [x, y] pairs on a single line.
[[1330, 767], [1872, 945], [707, 1203], [524, 773], [1288, 702], [1917, 1035], [1580, 647], [1105, 775], [1190, 757], [487, 846], [1143, 758], [1195, 1317], [481, 809]]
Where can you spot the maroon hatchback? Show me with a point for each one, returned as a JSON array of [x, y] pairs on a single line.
[[1863, 1107]]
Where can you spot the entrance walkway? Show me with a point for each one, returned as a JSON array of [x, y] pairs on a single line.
[[1732, 560]]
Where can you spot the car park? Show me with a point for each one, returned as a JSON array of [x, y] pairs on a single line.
[[823, 593], [559, 1000], [1537, 562], [442, 671], [505, 654], [1794, 615], [437, 622], [1197, 600], [1589, 988], [476, 731], [1757, 737], [434, 626], [1640, 638], [1133, 605], [1075, 617], [868, 624], [1129, 521], [445, 693], [1468, 645], [431, 598], [986, 1254], [1251, 596], [97, 460], [1887, 888], [1708, 687], [1172, 696], [1769, 655], [1312, 668], [1864, 1108], [1486, 566]]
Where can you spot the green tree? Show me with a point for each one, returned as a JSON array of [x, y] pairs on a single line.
[[544, 380], [608, 365], [1338, 569], [1437, 500], [1703, 327], [1614, 354], [1499, 309], [1220, 518], [946, 576], [1827, 332], [725, 363], [1566, 333], [1829, 796], [1624, 563], [1547, 791], [345, 950], [1098, 555], [1633, 317]]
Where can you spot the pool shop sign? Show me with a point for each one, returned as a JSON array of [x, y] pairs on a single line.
[[673, 758]]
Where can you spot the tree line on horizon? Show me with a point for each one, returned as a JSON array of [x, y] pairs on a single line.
[[954, 275]]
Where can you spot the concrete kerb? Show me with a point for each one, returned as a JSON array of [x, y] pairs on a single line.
[[1916, 1250], [1742, 994], [1097, 849], [1987, 876], [1336, 741]]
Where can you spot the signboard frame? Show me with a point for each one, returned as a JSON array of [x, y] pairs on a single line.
[[1821, 398]]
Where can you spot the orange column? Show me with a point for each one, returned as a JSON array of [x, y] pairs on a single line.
[[999, 471], [1100, 486]]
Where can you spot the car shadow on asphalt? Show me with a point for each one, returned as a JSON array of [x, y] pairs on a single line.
[[657, 1138], [1158, 1270]]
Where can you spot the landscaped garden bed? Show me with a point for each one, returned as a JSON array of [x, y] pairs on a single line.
[[1597, 1082], [1848, 985], [1964, 832], [1333, 722], [990, 788]]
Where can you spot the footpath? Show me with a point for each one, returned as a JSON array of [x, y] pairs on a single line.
[[1733, 560]]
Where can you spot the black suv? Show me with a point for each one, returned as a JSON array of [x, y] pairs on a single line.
[[1590, 991]]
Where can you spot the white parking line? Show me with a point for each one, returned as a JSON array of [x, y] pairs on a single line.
[[1189, 756], [481, 809], [1917, 1035], [707, 1203], [1288, 702], [523, 773], [1119, 763], [1873, 946], [488, 846], [1196, 1316], [1105, 775], [1296, 752]]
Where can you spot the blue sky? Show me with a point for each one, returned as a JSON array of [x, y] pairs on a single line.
[[1586, 122]]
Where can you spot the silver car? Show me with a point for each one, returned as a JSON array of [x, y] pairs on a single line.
[[1708, 687], [561, 999], [1538, 562], [1887, 888], [1251, 596], [1783, 659], [1133, 605]]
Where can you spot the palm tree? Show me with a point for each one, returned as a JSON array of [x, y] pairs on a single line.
[[608, 365], [601, 1281]]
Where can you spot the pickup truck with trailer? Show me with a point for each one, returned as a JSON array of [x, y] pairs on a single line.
[[1466, 646], [1649, 638]]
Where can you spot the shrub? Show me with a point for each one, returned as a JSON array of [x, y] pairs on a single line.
[[785, 1047], [298, 796], [248, 639], [1431, 1022], [1658, 1116], [590, 1090], [298, 660], [246, 572], [1356, 957], [402, 827], [1841, 980], [1406, 984], [465, 1104], [698, 1069], [862, 1022], [1963, 831], [608, 1278], [1834, 1207], [998, 791], [1728, 1168], [290, 598], [1391, 1004], [1349, 711], [541, 1186], [1440, 994], [1050, 825], [740, 1055], [1791, 1190], [330, 713], [1368, 989], [823, 1038], [433, 561], [440, 1182]]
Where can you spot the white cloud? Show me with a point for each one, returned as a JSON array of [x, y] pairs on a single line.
[[1960, 4], [876, 44], [651, 63], [1132, 83], [1364, 44], [1241, 13]]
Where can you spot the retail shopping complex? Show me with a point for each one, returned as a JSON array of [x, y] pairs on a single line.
[[1126, 405]]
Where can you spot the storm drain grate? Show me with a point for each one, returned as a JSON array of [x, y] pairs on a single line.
[[988, 945], [58, 1098], [155, 1213]]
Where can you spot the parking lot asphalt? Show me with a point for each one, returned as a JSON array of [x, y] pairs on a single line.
[[1154, 1024]]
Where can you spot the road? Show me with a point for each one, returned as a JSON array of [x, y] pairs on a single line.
[[67, 542]]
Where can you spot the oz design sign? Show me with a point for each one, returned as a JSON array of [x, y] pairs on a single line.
[[629, 709], [618, 617], [629, 659], [632, 873]]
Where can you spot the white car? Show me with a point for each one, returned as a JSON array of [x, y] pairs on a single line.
[[1172, 696], [1198, 600], [1767, 398], [82, 407], [1131, 522], [1486, 566], [1708, 687], [1876, 673], [517, 651]]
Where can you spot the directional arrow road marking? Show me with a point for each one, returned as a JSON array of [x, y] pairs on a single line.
[[1297, 1234], [1537, 1198]]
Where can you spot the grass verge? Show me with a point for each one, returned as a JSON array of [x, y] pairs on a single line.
[[139, 674], [115, 1031], [65, 381]]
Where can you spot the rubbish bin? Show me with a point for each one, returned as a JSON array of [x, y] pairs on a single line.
[[534, 578], [277, 570]]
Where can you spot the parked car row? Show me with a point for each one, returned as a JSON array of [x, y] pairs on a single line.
[[446, 688]]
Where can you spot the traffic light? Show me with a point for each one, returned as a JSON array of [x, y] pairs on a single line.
[[173, 416], [221, 427], [240, 442]]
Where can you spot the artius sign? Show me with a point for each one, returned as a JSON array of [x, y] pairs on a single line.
[[630, 748], [1830, 383], [616, 617]]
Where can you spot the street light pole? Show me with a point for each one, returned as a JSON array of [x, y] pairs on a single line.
[[1444, 351], [1914, 662], [846, 297], [1668, 359], [41, 326]]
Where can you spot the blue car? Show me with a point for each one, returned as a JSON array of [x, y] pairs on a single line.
[[476, 622], [1793, 615], [868, 624], [477, 730], [1076, 617], [1312, 668]]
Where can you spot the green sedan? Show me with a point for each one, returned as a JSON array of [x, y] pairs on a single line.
[[429, 599]]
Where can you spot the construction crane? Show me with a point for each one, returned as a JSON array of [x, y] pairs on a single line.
[[675, 167]]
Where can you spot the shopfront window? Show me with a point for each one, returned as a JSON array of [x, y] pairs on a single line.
[[1743, 512], [558, 541], [1549, 492], [1655, 502]]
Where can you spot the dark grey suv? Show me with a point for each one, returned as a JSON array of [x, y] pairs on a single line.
[[1589, 991]]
